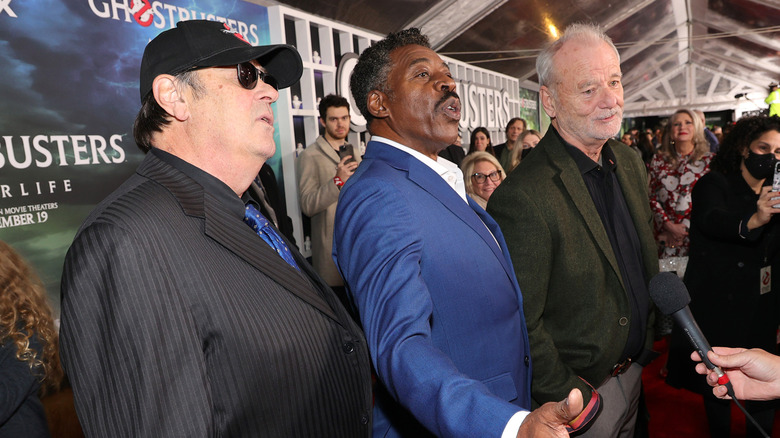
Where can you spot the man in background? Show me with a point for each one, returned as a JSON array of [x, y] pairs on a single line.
[[184, 312], [577, 222], [503, 151], [773, 100], [427, 268], [321, 172]]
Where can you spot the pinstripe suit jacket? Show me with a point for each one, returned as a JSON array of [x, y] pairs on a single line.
[[178, 320]]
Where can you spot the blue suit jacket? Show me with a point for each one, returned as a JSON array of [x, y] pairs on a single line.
[[437, 297]]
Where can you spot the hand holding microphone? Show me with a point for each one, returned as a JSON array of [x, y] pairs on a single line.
[[755, 374], [671, 297]]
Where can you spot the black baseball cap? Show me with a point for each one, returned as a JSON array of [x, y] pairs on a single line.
[[204, 43]]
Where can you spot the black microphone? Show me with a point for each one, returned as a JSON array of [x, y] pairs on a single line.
[[738, 95], [671, 297]]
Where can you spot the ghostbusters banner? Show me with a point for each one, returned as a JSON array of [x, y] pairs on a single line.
[[69, 87]]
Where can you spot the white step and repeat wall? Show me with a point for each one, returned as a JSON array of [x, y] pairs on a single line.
[[329, 51], [69, 87]]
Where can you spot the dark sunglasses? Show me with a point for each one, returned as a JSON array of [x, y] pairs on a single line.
[[248, 75]]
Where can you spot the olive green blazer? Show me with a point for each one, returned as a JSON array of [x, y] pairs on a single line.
[[575, 302]]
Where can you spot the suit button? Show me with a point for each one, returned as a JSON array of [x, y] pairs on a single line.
[[623, 321], [349, 347], [527, 360], [364, 419], [740, 264]]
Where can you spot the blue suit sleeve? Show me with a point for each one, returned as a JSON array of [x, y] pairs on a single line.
[[378, 247]]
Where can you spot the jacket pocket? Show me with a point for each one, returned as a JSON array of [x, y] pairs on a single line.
[[503, 386]]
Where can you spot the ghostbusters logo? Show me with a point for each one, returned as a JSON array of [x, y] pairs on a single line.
[[142, 12], [228, 30]]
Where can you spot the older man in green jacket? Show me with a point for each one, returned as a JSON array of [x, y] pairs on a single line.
[[578, 226]]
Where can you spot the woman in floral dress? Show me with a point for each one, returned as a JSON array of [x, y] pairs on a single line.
[[681, 160]]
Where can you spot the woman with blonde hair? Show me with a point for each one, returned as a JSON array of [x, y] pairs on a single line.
[[482, 174], [684, 156], [524, 144], [29, 357]]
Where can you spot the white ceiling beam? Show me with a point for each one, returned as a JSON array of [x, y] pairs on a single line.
[[448, 19], [670, 93], [653, 83], [713, 85], [656, 34], [726, 24], [651, 64], [681, 23], [731, 54], [746, 82]]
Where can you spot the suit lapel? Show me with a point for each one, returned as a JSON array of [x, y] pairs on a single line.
[[233, 234], [498, 237], [572, 181], [431, 182]]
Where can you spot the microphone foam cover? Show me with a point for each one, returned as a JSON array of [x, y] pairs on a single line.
[[668, 292]]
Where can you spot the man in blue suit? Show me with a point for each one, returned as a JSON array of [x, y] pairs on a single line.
[[428, 269]]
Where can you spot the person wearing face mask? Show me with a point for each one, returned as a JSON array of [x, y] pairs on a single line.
[[734, 250]]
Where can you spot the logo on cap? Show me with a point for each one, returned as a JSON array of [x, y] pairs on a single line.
[[230, 31]]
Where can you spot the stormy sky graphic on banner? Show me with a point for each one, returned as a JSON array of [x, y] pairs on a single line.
[[69, 87]]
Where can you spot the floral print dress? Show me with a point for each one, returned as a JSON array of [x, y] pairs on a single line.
[[670, 195]]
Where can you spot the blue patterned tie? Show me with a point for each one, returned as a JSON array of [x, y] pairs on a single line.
[[262, 227]]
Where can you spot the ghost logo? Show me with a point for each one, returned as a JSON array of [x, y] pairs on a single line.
[[142, 12], [5, 6], [228, 30]]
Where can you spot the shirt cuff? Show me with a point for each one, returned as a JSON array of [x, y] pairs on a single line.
[[513, 425], [750, 235], [589, 413]]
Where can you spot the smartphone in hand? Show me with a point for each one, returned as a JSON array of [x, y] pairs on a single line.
[[776, 184], [347, 149]]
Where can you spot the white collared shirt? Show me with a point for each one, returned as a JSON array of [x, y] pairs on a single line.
[[449, 171]]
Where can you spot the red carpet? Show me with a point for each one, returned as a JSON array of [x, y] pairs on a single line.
[[677, 413]]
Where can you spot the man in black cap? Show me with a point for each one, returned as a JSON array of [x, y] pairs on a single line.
[[184, 313]]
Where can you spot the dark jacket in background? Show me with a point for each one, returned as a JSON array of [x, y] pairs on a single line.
[[723, 276]]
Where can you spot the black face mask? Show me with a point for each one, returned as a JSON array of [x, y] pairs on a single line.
[[524, 152], [761, 166]]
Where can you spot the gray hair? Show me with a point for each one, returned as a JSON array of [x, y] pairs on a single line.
[[577, 31]]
